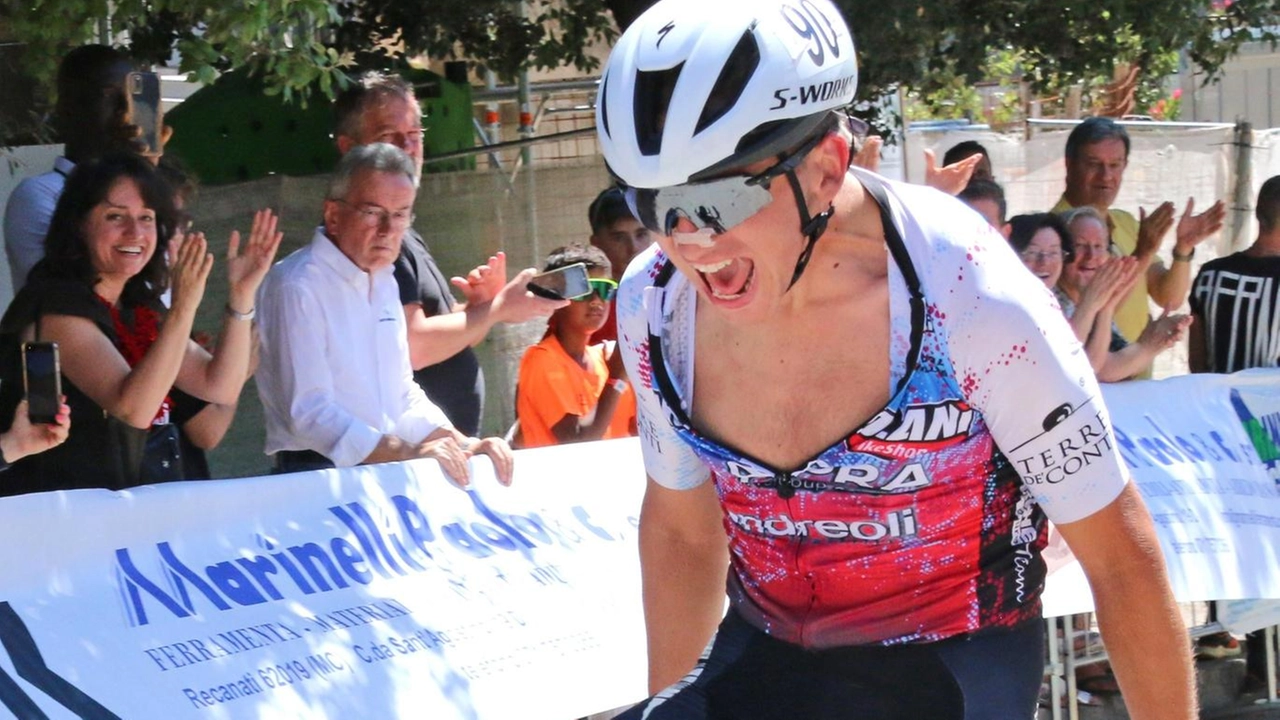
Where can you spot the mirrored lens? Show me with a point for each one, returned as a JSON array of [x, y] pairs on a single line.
[[716, 204]]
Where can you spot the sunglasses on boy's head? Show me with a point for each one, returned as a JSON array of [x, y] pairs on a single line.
[[603, 288], [717, 205]]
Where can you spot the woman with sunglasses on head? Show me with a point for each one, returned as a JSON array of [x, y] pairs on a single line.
[[854, 380], [570, 390]]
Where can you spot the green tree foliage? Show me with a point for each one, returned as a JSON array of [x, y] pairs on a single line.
[[299, 45], [923, 45]]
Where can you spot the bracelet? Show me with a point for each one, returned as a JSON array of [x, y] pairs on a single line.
[[237, 315], [618, 384], [1183, 258]]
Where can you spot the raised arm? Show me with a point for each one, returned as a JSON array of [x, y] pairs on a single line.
[[92, 363], [219, 377], [436, 338], [1169, 286]]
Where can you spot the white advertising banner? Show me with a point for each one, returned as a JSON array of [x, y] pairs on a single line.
[[1205, 453], [361, 593], [387, 592]]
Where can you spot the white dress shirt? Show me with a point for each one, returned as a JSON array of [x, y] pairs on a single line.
[[335, 374], [27, 217]]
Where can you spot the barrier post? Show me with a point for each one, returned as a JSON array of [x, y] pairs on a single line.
[[1241, 186]]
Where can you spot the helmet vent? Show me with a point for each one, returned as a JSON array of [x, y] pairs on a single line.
[[737, 72], [601, 98], [652, 99]]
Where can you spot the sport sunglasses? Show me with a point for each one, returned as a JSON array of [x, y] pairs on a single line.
[[603, 288], [718, 204]]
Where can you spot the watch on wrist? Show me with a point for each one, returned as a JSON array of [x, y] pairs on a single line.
[[1183, 258], [237, 315]]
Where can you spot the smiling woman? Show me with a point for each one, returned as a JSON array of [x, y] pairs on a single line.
[[96, 294]]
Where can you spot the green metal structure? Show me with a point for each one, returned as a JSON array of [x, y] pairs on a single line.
[[232, 131]]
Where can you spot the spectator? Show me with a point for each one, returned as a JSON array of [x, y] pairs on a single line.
[[441, 331], [91, 118], [23, 438], [1235, 301], [1091, 287], [569, 390], [1097, 153], [621, 236], [96, 294], [201, 425], [987, 197], [335, 381], [967, 149]]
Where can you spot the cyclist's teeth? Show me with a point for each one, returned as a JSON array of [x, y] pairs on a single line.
[[709, 269]]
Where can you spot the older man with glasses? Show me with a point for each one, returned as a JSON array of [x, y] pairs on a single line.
[[335, 380]]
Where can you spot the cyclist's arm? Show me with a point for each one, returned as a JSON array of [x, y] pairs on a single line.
[[1137, 614], [684, 559]]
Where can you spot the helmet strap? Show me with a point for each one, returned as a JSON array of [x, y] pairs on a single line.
[[811, 227]]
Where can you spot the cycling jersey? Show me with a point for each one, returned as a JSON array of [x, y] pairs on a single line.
[[927, 521]]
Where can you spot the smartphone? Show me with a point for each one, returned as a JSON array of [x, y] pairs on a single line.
[[145, 110], [564, 283], [42, 379]]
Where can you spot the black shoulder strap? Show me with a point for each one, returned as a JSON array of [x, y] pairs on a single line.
[[901, 258]]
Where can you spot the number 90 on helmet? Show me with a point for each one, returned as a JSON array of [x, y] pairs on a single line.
[[695, 88]]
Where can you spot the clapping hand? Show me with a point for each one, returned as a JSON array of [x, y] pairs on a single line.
[[868, 156], [950, 179], [189, 273], [1165, 331], [1193, 229], [483, 283], [247, 266], [1152, 229]]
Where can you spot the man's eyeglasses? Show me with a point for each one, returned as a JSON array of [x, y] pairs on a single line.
[[1040, 256], [603, 288], [373, 216]]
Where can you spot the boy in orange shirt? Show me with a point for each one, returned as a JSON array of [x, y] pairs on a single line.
[[570, 391]]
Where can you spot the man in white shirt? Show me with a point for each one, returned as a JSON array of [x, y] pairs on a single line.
[[335, 379]]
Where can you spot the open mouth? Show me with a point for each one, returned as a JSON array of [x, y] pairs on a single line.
[[130, 250], [728, 279]]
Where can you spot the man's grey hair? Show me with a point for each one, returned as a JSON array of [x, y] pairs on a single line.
[[376, 157], [373, 87], [1069, 217]]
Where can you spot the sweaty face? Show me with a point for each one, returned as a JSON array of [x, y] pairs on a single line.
[[120, 233], [1043, 256], [1092, 249], [369, 221], [394, 120], [621, 241], [1093, 178]]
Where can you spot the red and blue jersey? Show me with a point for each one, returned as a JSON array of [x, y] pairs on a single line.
[[927, 521]]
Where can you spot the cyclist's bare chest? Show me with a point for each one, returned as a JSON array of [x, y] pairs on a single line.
[[786, 396]]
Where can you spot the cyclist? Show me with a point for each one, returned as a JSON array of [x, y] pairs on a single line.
[[887, 406]]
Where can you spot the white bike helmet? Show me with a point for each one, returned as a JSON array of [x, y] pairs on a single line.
[[697, 87]]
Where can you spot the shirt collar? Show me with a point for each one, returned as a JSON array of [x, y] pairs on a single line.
[[327, 252]]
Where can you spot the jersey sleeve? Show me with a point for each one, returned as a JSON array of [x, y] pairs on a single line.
[[667, 459], [1019, 363]]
